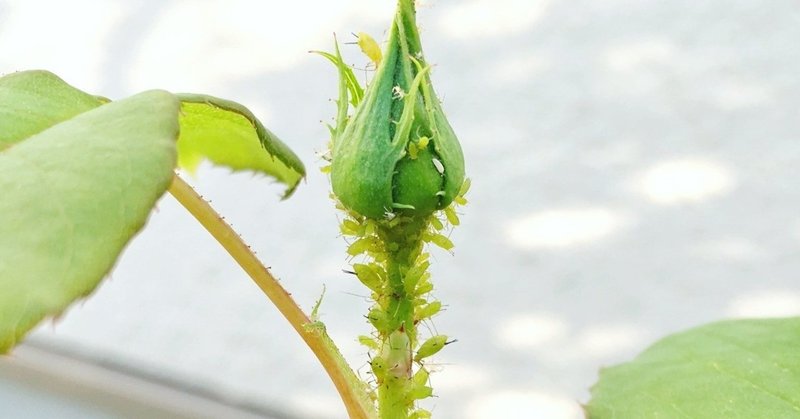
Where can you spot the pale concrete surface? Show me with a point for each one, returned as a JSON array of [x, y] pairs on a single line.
[[634, 169]]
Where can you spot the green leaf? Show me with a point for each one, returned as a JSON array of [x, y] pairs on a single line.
[[74, 194], [32, 101], [732, 369], [228, 134]]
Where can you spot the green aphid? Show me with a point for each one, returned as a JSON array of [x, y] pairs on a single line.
[[420, 377], [351, 228], [430, 347], [369, 47], [372, 169], [437, 223], [428, 310], [379, 368], [451, 215], [379, 320], [369, 276], [416, 392], [413, 151], [423, 288], [413, 276], [369, 342], [439, 240], [465, 187], [364, 245], [420, 414]]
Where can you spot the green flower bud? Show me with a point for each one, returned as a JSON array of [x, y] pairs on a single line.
[[397, 152]]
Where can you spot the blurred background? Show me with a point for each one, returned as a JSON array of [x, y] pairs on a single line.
[[634, 167]]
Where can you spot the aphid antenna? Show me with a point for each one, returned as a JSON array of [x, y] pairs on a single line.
[[364, 297]]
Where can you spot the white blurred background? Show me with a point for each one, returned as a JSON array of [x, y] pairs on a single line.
[[634, 168]]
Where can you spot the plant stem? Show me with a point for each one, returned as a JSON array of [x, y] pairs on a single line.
[[403, 245], [340, 373]]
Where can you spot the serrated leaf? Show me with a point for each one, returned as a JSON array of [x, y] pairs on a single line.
[[732, 369], [73, 195], [228, 134]]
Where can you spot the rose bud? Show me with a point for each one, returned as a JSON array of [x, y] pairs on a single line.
[[397, 153]]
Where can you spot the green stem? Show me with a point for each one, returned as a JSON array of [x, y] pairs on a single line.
[[347, 384], [403, 245]]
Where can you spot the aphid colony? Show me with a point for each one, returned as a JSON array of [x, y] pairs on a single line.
[[395, 270]]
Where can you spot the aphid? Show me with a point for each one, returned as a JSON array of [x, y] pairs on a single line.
[[420, 414], [370, 227], [438, 240], [431, 347], [423, 142], [420, 377], [368, 341], [423, 288], [438, 165], [465, 187], [379, 368], [437, 223], [451, 215], [350, 228], [389, 215], [370, 48], [413, 151], [363, 245], [460, 199], [428, 310], [369, 276], [414, 275], [416, 392], [379, 320]]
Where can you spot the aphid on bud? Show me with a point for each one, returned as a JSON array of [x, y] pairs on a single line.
[[460, 199], [350, 228], [370, 227], [451, 215], [465, 187], [423, 142], [370, 48], [413, 151], [431, 347]]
